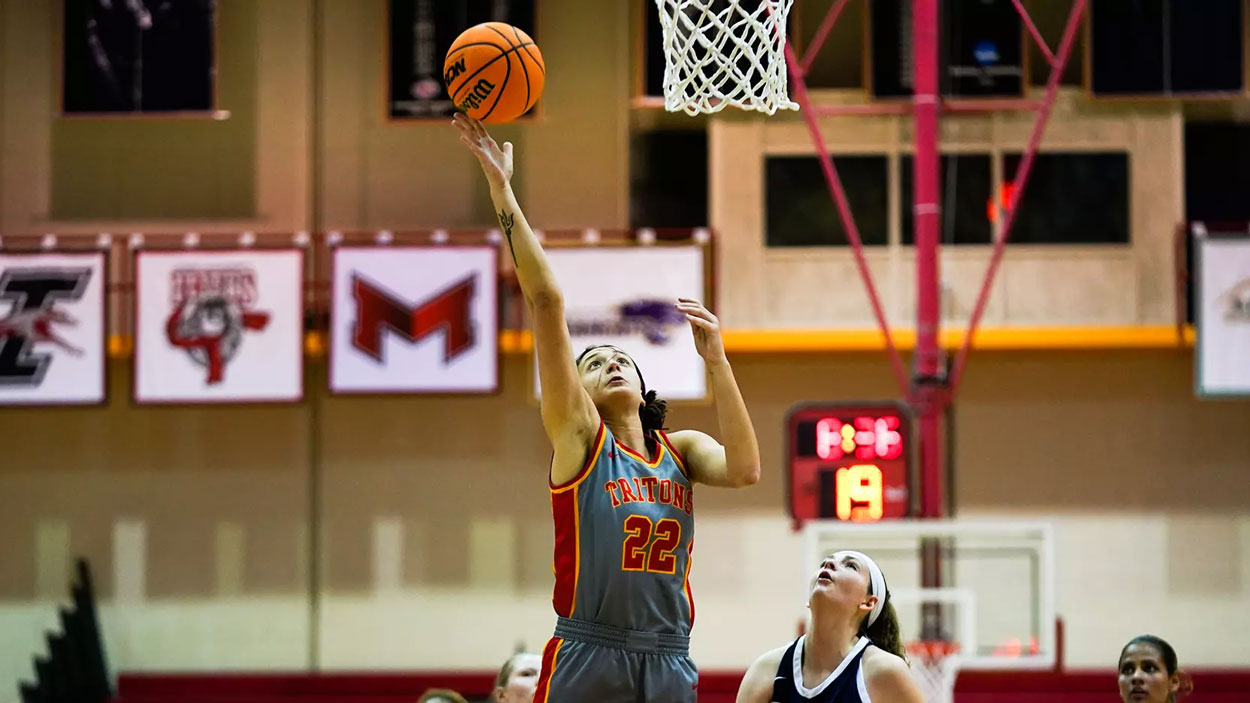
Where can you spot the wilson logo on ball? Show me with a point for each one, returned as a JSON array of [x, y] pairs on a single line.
[[477, 95]]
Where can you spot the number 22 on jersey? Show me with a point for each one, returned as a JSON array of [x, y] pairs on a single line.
[[640, 553]]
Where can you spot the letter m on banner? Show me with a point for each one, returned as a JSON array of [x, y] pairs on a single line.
[[447, 311], [415, 320]]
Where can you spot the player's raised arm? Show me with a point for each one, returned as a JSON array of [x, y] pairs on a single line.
[[736, 462], [569, 416], [533, 271]]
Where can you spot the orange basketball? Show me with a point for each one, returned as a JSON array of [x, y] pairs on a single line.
[[494, 72]]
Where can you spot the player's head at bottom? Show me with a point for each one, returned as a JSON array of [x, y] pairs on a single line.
[[1150, 672], [848, 593], [617, 388], [441, 695], [517, 679]]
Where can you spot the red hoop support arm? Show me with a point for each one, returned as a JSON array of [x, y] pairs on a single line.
[[1037, 36], [818, 41], [844, 212], [1018, 185]]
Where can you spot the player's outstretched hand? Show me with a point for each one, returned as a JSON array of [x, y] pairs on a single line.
[[496, 162], [706, 328]]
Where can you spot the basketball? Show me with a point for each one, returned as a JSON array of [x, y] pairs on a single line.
[[494, 72]]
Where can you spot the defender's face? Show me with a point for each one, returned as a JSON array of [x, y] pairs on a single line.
[[842, 580], [1143, 677]]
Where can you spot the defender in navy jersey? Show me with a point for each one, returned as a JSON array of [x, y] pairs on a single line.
[[622, 493], [852, 652]]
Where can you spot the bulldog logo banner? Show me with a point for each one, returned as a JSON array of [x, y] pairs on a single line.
[[219, 326]]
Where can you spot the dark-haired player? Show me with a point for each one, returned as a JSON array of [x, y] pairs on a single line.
[[621, 489]]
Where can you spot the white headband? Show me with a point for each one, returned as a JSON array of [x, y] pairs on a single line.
[[876, 582]]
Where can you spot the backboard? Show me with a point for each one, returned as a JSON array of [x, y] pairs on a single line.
[[994, 593]]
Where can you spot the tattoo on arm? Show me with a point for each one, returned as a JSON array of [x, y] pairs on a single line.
[[506, 220]]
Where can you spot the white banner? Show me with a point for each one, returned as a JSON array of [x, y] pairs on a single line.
[[52, 349], [415, 320], [1223, 312], [624, 296], [219, 326]]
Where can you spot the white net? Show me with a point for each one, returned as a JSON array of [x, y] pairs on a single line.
[[725, 52], [934, 668]]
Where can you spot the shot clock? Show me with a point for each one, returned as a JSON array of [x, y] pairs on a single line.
[[849, 461]]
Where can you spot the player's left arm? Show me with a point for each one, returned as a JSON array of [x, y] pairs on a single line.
[[735, 463], [889, 680], [757, 684]]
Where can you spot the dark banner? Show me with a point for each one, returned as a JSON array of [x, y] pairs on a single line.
[[421, 31], [138, 56], [981, 49], [1167, 47]]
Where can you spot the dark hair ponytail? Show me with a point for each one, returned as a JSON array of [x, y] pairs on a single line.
[[1170, 663], [884, 633], [652, 413]]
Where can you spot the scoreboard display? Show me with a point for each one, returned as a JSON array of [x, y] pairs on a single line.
[[849, 461]]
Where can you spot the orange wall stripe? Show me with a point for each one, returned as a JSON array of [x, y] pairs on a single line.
[[859, 339]]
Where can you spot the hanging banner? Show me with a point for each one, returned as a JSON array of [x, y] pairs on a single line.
[[421, 32], [415, 320], [52, 347], [219, 326], [624, 296], [1223, 324]]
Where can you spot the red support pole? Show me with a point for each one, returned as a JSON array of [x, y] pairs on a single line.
[[1021, 180], [927, 362], [844, 211], [929, 392]]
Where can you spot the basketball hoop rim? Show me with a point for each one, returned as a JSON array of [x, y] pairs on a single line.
[[933, 649]]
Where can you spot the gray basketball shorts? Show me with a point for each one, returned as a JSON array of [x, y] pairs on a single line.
[[587, 662]]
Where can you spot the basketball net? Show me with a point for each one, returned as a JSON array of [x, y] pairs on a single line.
[[934, 667], [725, 52]]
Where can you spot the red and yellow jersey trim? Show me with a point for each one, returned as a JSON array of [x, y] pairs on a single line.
[[567, 564], [566, 512], [677, 457], [659, 454], [551, 655], [596, 448], [686, 585]]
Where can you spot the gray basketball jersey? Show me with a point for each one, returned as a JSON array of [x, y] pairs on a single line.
[[624, 537]]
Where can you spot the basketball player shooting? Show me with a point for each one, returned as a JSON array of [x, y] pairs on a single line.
[[621, 488]]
